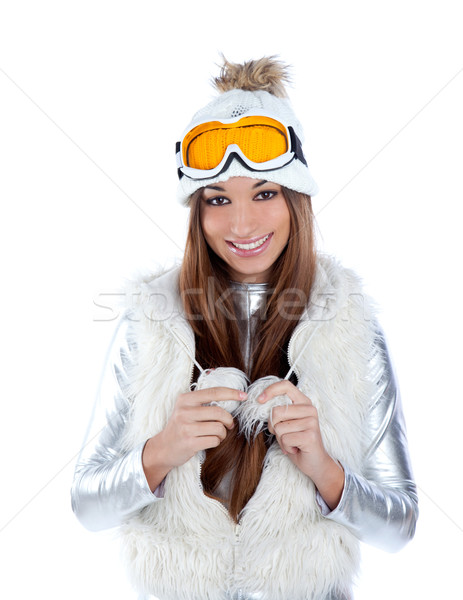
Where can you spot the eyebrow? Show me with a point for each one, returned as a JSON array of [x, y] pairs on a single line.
[[214, 187], [217, 188]]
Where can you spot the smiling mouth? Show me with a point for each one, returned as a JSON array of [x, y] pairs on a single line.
[[252, 245]]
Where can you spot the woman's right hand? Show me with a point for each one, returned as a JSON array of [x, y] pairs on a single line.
[[192, 427]]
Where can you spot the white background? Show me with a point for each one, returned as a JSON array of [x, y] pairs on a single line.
[[93, 96]]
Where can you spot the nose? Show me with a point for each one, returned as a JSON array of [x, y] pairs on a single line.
[[243, 220]]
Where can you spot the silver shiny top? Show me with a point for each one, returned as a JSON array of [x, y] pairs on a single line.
[[249, 300], [379, 506]]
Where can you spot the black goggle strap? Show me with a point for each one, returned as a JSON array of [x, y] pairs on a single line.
[[296, 146], [178, 147]]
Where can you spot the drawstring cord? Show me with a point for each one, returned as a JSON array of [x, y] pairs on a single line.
[[186, 349]]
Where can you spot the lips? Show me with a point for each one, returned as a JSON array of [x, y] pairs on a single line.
[[250, 247]]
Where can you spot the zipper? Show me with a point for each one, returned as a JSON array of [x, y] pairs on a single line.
[[239, 593], [189, 350], [295, 335], [211, 500]]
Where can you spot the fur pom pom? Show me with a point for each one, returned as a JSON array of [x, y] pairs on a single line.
[[253, 415], [223, 377], [267, 74]]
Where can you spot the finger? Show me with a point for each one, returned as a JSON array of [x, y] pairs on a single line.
[[293, 412], [295, 426], [284, 387], [208, 429], [216, 394], [285, 446], [205, 442], [286, 449], [296, 440], [211, 413]]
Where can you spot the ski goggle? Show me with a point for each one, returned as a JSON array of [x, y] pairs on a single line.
[[259, 142]]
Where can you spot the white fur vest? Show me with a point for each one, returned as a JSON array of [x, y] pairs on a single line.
[[186, 547]]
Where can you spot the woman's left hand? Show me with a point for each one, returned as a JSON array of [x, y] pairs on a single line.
[[297, 431]]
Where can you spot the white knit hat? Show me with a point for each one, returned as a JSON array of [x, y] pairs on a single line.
[[234, 103]]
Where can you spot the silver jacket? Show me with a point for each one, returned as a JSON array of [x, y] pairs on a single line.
[[379, 506]]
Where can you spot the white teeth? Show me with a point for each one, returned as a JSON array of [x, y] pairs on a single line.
[[253, 244]]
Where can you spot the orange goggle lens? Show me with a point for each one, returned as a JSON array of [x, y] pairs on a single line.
[[259, 138]]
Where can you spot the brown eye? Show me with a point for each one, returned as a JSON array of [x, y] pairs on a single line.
[[266, 195], [217, 201]]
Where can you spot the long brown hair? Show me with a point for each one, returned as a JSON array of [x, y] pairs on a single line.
[[204, 282]]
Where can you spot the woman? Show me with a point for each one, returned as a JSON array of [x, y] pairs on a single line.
[[256, 434]]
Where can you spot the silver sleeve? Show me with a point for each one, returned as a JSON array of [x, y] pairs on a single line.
[[380, 506], [109, 483]]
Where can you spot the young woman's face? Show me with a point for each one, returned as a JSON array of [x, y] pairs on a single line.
[[246, 222]]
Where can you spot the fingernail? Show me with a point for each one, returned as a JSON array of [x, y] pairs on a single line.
[[243, 395], [261, 398]]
